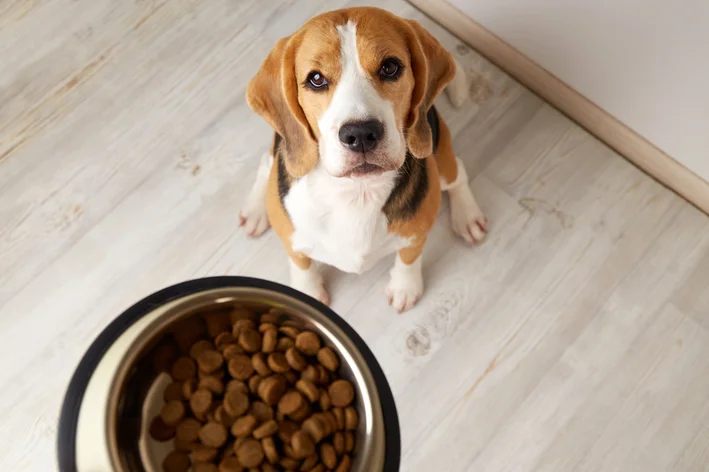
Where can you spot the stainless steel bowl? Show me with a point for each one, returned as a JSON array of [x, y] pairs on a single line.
[[104, 415]]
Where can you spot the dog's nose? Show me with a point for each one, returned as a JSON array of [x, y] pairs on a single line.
[[361, 136]]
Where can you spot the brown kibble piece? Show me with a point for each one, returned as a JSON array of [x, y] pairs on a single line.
[[176, 461], [236, 403], [311, 374], [254, 383], [291, 402], [302, 444], [291, 377], [230, 464], [188, 430], [231, 351], [324, 375], [160, 431], [296, 360], [213, 434], [240, 313], [212, 384], [344, 464], [201, 401], [263, 327], [189, 386], [289, 331], [330, 421], [269, 428], [338, 442], [315, 428], [278, 363], [173, 392], [308, 343], [261, 411], [224, 339], [184, 368], [200, 346], [269, 449], [328, 359], [202, 453], [209, 361], [286, 429], [250, 453], [349, 441], [272, 388], [267, 467], [325, 402], [269, 341], [340, 417], [341, 393], [184, 446], [241, 325], [301, 413], [237, 385], [219, 374], [289, 463], [221, 416], [250, 340], [351, 418], [172, 412], [284, 344], [328, 455], [260, 365], [310, 461], [204, 467], [311, 392], [318, 468], [240, 367], [244, 426]]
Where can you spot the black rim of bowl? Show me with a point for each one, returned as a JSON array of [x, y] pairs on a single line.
[[69, 415]]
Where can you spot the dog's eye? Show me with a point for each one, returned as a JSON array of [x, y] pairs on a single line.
[[391, 69], [316, 81]]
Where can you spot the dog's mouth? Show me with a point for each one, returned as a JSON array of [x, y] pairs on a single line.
[[366, 170]]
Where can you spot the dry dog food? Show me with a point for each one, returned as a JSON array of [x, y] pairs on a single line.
[[250, 393]]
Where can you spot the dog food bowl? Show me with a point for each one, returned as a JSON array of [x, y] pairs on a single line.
[[114, 394]]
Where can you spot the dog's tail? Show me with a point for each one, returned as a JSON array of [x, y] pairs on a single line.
[[457, 89]]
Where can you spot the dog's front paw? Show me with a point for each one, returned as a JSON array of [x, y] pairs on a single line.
[[254, 221], [468, 220], [405, 287], [310, 282], [253, 217]]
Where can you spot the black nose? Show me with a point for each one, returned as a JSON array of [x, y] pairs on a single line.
[[361, 136]]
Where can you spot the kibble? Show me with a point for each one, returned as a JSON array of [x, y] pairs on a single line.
[[253, 395]]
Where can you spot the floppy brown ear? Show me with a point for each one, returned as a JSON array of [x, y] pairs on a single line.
[[273, 94], [433, 68]]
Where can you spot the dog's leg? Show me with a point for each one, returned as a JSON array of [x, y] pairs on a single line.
[[253, 217], [305, 276], [457, 89], [406, 283], [467, 218]]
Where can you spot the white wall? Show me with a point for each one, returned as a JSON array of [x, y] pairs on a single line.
[[646, 62]]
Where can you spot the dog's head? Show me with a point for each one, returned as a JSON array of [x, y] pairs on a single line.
[[352, 88]]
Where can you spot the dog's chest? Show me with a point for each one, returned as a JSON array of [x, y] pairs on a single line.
[[340, 222]]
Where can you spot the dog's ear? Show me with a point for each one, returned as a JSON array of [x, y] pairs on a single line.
[[433, 68], [273, 94]]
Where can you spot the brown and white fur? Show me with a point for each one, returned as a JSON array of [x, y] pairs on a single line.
[[341, 195]]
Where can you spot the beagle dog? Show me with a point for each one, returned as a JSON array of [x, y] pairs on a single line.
[[360, 155]]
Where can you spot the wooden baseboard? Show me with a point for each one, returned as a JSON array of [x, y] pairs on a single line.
[[597, 121]]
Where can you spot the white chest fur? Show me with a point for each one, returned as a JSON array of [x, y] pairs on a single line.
[[340, 222]]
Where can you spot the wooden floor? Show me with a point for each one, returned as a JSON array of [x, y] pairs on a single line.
[[575, 339]]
